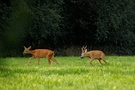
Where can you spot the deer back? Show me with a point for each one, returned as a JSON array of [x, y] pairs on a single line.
[[96, 54], [42, 53]]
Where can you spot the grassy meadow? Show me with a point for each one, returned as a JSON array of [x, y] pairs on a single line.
[[72, 73]]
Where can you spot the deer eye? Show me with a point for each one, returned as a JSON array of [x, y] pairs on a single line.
[[26, 51]]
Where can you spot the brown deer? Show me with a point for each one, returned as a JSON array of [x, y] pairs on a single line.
[[40, 53], [93, 54]]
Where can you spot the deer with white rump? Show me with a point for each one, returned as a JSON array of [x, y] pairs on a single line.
[[93, 54], [40, 53]]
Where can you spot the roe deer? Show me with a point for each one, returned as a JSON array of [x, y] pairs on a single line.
[[94, 54], [40, 53]]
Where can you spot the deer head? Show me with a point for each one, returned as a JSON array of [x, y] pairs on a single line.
[[84, 50], [26, 50]]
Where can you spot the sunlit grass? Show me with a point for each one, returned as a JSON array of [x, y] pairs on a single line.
[[72, 73]]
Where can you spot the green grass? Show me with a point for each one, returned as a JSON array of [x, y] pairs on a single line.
[[72, 73]]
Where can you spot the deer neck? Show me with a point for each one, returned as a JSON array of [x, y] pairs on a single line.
[[86, 53], [31, 52]]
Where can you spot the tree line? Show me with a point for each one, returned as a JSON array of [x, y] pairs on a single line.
[[66, 25]]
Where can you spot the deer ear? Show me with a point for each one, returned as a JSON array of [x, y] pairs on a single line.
[[24, 47], [85, 47], [29, 47], [85, 50], [82, 48]]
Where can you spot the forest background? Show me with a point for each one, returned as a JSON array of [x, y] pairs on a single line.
[[66, 25]]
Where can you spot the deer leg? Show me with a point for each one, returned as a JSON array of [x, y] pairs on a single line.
[[49, 62], [91, 62], [104, 61], [38, 61], [54, 60], [99, 60], [30, 59]]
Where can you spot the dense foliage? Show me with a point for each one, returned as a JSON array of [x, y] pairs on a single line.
[[62, 24]]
